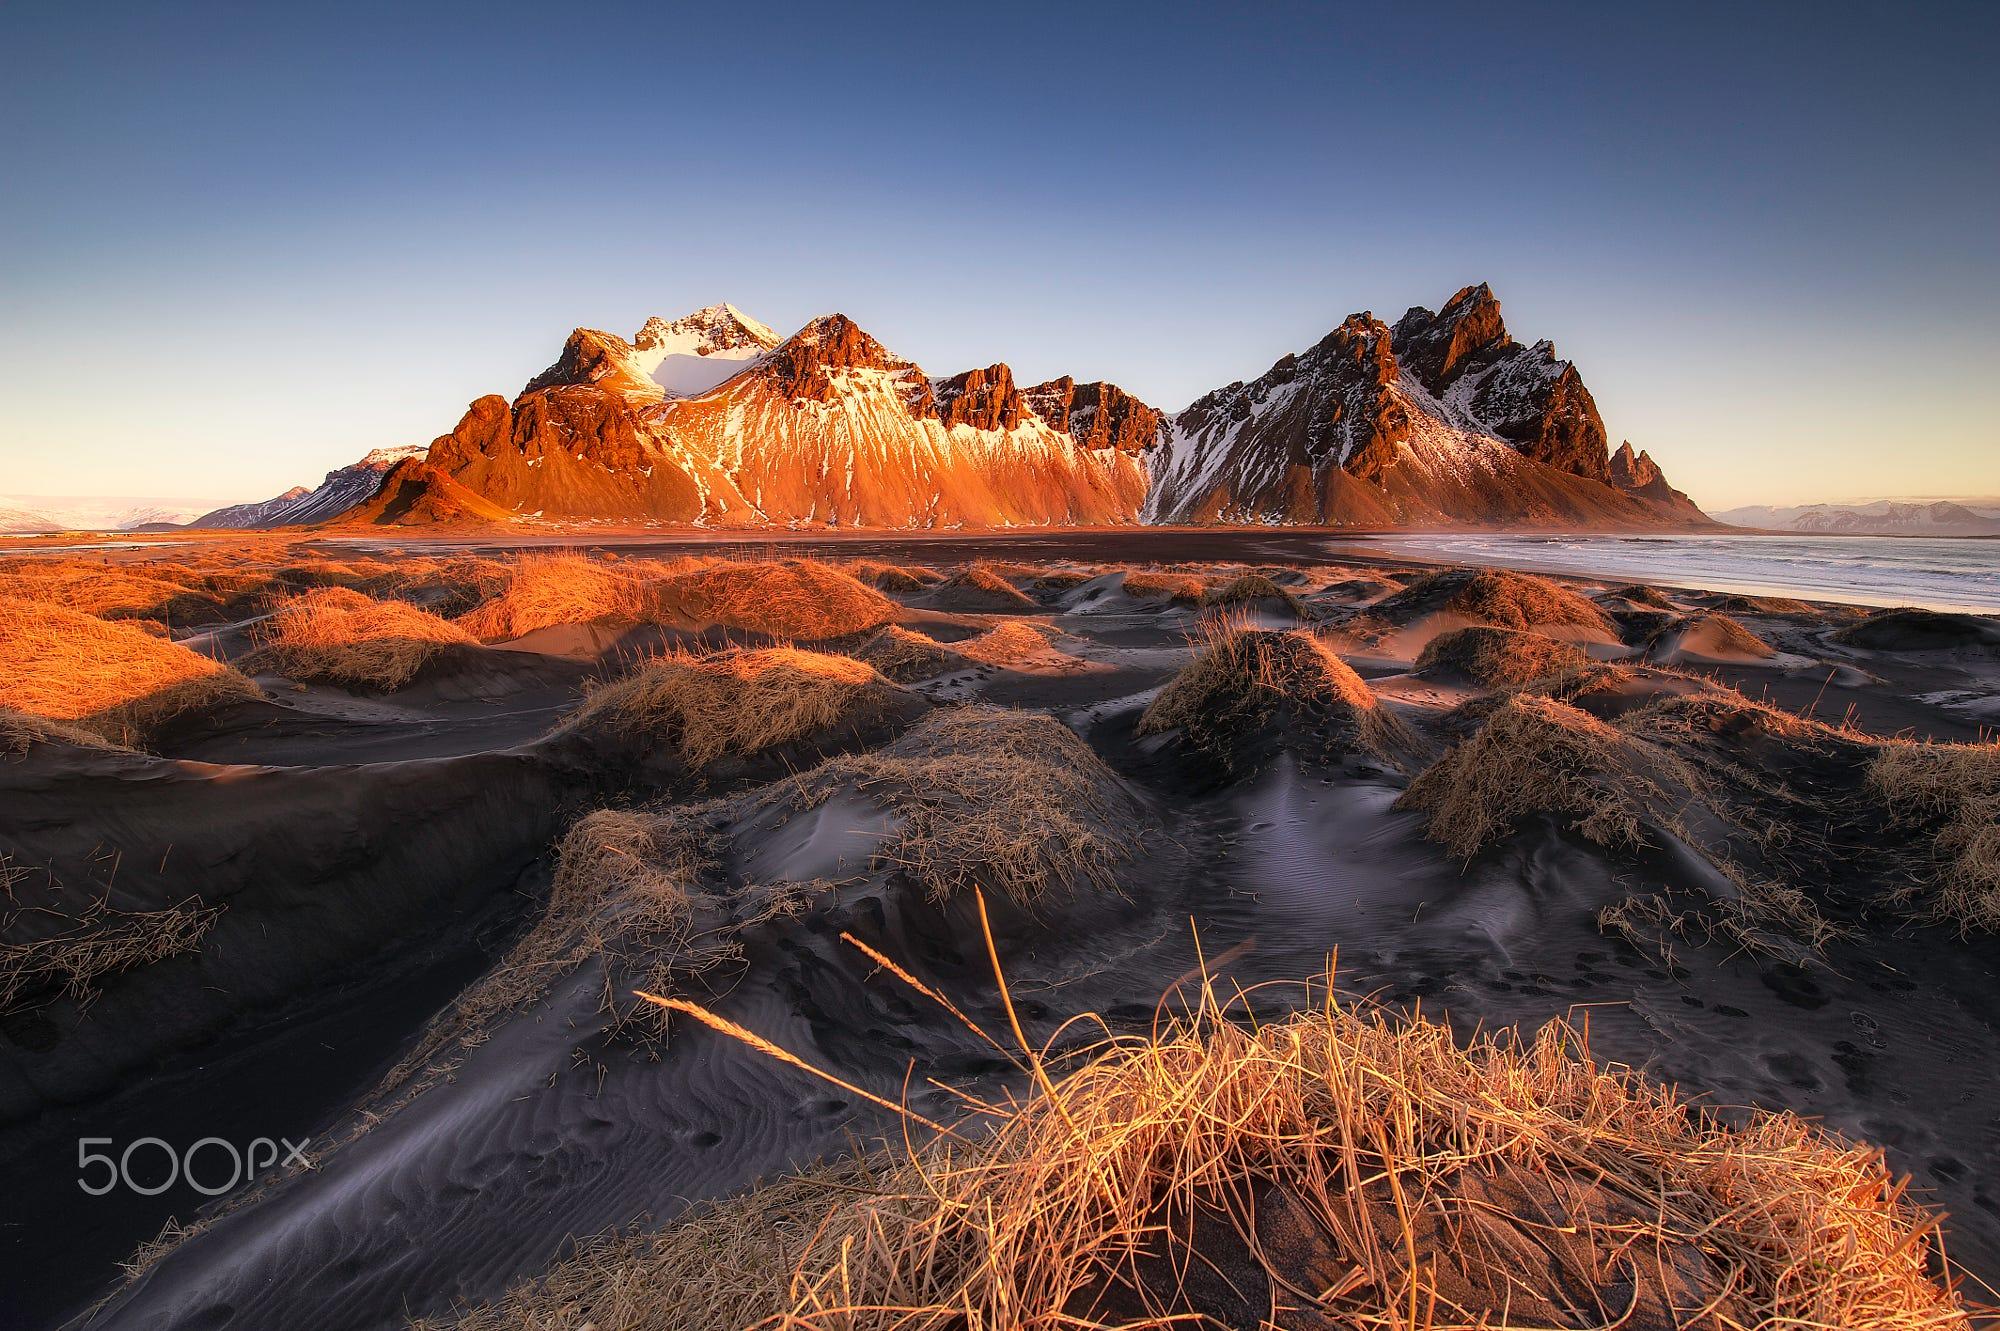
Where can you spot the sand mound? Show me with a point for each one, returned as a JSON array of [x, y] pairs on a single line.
[[111, 679], [1493, 596], [1249, 589], [1921, 631], [905, 655], [1248, 686], [1340, 1168], [1491, 656], [545, 590], [979, 588], [1734, 604], [1716, 637], [1152, 584], [1640, 594], [1950, 793], [1009, 643], [1535, 755], [739, 702], [1011, 802], [343, 637], [799, 599], [897, 578]]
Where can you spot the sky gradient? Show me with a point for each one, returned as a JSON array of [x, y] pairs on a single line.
[[241, 246]]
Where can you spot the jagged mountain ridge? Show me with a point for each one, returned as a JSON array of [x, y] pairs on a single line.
[[711, 419], [824, 428], [1444, 418]]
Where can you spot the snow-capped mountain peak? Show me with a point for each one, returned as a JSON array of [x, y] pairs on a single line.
[[690, 355]]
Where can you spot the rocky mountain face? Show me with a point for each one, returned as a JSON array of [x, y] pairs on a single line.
[[712, 419], [343, 488], [827, 427], [1443, 418]]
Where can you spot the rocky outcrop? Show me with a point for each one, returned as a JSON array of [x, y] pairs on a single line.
[[415, 493], [1096, 415], [1463, 355], [983, 399], [1442, 419]]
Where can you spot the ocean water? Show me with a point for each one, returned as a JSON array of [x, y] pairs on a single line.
[[1935, 572]]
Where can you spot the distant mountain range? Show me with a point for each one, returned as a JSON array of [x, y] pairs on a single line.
[[1883, 517], [28, 514], [713, 419]]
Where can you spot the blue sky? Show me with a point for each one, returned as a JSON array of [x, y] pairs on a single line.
[[241, 245]]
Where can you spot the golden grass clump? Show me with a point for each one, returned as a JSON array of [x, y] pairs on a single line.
[[1246, 588], [112, 679], [740, 701], [112, 591], [1536, 755], [1012, 802], [797, 599], [1343, 1167], [1494, 596], [343, 637], [546, 590], [1187, 588], [1952, 793], [1638, 593], [905, 655], [1008, 641], [1242, 678], [1493, 656], [885, 577], [980, 586]]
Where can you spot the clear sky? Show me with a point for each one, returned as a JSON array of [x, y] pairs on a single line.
[[240, 246]]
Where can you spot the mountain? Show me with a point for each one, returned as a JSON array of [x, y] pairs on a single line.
[[826, 428], [341, 491], [1885, 517], [1444, 418], [712, 419], [22, 514]]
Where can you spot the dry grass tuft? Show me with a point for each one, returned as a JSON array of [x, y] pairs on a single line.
[[1638, 593], [101, 941], [546, 590], [160, 593], [905, 655], [1013, 640], [885, 577], [1344, 1167], [1491, 656], [979, 586], [799, 599], [1760, 605], [343, 637], [112, 679], [1242, 679], [20, 732], [1494, 596], [1186, 588], [740, 701], [1952, 793], [1536, 755], [1011, 802], [1246, 588]]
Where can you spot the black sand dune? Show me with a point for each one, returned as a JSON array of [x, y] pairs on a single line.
[[371, 868]]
